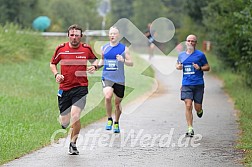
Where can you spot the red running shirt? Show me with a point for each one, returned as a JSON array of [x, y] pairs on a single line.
[[73, 64]]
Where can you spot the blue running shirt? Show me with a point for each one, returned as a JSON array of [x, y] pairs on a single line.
[[191, 76], [113, 69]]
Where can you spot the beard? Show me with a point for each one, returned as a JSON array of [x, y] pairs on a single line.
[[75, 43], [190, 47]]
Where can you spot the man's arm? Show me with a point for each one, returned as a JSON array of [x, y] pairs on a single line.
[[128, 61], [54, 69], [179, 66], [205, 67], [59, 78]]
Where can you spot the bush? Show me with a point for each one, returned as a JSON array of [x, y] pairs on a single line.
[[18, 45]]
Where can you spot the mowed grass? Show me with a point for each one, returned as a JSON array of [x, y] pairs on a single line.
[[241, 94], [28, 99]]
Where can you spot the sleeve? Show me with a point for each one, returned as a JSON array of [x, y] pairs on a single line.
[[56, 57], [204, 59], [91, 56]]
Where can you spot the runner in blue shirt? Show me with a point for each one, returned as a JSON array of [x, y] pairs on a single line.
[[114, 56], [193, 62]]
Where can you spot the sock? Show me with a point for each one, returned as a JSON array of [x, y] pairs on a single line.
[[73, 144], [190, 128], [110, 119], [116, 123]]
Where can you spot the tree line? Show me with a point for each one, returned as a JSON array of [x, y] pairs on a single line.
[[227, 24]]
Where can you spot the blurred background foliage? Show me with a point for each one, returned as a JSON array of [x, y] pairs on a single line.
[[227, 24]]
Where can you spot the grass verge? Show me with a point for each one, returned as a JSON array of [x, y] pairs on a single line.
[[29, 103], [242, 97]]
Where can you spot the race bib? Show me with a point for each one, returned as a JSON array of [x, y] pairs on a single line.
[[111, 65], [60, 92], [188, 69]]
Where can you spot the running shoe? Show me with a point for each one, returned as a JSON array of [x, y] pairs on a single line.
[[116, 128], [190, 133], [199, 114], [109, 125], [73, 149]]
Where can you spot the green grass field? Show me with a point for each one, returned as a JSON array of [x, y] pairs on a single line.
[[28, 100]]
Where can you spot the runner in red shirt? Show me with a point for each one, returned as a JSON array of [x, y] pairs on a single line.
[[73, 82]]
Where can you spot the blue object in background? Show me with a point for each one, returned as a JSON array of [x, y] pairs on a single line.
[[41, 23]]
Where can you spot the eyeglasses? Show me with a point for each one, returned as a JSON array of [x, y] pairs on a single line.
[[191, 41]]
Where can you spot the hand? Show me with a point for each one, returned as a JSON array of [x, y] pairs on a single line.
[[59, 78], [196, 66], [179, 66], [91, 69], [120, 58]]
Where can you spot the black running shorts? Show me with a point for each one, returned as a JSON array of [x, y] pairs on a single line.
[[75, 96], [119, 88]]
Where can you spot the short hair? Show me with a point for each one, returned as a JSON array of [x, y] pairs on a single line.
[[74, 27], [114, 28]]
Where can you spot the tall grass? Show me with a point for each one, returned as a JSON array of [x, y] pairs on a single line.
[[235, 86], [28, 110], [19, 45]]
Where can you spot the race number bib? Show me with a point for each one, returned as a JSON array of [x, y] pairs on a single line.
[[111, 65], [188, 69]]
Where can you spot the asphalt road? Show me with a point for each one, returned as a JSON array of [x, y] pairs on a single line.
[[153, 134]]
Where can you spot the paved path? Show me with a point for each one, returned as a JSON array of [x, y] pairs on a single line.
[[153, 135]]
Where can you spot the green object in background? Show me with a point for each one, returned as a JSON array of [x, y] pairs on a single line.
[[41, 23]]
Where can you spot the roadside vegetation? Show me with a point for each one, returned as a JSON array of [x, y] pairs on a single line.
[[28, 91], [241, 94]]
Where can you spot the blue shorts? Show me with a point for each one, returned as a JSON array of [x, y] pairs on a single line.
[[193, 92]]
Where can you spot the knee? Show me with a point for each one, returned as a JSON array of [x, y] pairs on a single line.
[[188, 106], [75, 116], [108, 98]]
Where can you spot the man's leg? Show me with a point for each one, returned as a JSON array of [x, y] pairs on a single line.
[[65, 120], [118, 111], [198, 99], [151, 50], [108, 93], [76, 125], [188, 113], [118, 108], [197, 107]]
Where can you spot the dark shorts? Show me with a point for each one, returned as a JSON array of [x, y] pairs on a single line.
[[119, 88], [194, 92], [75, 96]]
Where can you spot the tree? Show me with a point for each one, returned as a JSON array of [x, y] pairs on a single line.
[[194, 9], [19, 12], [75, 11], [229, 26], [120, 9], [243, 28]]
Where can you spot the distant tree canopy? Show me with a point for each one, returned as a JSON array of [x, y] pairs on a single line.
[[227, 24]]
